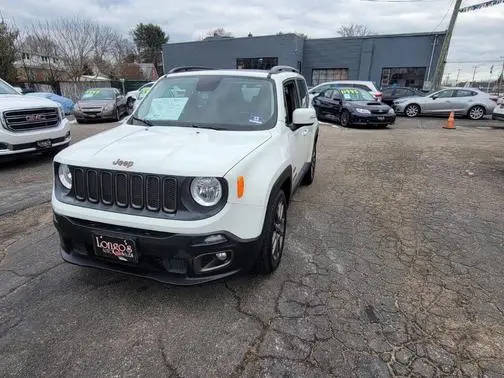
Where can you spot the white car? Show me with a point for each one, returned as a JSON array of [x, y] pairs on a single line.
[[498, 112], [30, 124], [132, 96], [195, 185], [367, 86]]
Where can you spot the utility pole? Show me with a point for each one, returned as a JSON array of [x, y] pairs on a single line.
[[501, 78], [474, 73], [440, 66], [458, 74]]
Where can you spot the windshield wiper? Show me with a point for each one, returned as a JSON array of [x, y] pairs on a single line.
[[144, 121], [206, 127]]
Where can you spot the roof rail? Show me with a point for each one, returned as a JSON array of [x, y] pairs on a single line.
[[188, 69], [279, 69]]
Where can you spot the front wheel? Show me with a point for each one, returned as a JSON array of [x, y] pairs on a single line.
[[345, 118], [412, 110], [117, 116], [273, 235], [476, 112], [310, 174]]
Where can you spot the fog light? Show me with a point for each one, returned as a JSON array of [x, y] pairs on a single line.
[[222, 256], [214, 239]]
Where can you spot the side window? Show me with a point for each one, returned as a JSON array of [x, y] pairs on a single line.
[[403, 92], [336, 95], [303, 93], [446, 94], [464, 93], [291, 100], [328, 94], [322, 88]]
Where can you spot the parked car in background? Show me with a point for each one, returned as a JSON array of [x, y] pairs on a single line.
[[498, 112], [66, 103], [469, 102], [100, 103], [394, 93], [132, 96], [30, 124], [352, 106], [367, 86], [142, 92]]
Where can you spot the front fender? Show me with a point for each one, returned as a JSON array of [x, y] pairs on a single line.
[[260, 171]]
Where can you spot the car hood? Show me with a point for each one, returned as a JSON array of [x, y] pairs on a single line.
[[178, 151], [15, 102], [93, 103], [370, 105]]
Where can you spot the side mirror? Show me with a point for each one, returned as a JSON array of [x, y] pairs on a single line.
[[304, 117]]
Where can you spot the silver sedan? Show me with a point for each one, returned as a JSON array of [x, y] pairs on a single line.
[[469, 102]]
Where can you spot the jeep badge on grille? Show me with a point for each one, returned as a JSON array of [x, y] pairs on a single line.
[[123, 163]]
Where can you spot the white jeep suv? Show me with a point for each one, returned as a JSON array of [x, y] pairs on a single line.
[[195, 185], [30, 124]]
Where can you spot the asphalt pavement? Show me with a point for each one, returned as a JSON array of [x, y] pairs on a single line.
[[393, 265]]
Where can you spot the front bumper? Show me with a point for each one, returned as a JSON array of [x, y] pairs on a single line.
[[81, 116], [372, 119], [498, 113], [14, 143], [165, 257]]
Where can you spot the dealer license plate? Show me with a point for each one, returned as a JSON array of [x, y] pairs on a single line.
[[115, 248]]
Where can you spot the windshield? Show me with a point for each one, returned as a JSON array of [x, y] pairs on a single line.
[[6, 89], [98, 94], [355, 94], [213, 101]]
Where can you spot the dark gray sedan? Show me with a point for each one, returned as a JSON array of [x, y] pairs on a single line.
[[100, 103]]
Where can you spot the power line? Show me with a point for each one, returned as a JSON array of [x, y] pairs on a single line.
[[446, 14]]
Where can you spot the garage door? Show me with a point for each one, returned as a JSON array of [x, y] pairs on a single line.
[[320, 76]]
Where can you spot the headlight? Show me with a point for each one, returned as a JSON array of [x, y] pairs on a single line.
[[206, 191], [65, 176], [391, 111], [61, 112], [108, 107], [76, 107], [362, 111]]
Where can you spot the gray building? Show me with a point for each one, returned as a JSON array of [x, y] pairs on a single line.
[[397, 59]]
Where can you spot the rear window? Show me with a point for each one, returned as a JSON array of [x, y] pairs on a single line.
[[214, 101]]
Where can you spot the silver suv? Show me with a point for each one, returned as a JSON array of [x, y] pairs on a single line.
[[469, 102]]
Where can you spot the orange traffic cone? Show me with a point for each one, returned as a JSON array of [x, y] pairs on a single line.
[[450, 124]]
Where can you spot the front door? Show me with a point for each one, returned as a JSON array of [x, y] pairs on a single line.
[[444, 102], [297, 136]]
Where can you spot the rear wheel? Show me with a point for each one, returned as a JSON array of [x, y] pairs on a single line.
[[476, 112], [345, 118], [412, 110], [273, 235]]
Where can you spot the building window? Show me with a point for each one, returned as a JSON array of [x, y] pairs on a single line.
[[256, 63], [45, 59], [55, 60], [403, 77], [320, 76], [25, 56]]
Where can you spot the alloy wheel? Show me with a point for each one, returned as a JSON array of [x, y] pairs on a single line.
[[278, 235], [476, 113], [411, 110]]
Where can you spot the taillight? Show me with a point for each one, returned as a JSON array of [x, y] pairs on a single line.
[[378, 95]]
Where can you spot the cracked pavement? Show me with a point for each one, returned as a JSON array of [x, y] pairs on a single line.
[[393, 266]]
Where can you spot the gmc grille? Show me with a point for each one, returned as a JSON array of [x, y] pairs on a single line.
[[124, 189], [21, 120]]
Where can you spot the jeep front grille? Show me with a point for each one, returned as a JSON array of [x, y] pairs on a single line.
[[124, 189], [21, 120]]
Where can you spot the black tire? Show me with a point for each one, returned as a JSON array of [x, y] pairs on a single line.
[[273, 234], [412, 111], [476, 112], [345, 119], [117, 117], [310, 174]]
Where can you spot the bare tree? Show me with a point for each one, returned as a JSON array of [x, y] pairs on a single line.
[[354, 30], [77, 46], [217, 33], [8, 41]]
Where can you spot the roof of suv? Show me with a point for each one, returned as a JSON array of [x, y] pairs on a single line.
[[237, 72]]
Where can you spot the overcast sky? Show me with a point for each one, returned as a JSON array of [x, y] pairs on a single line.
[[478, 37]]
